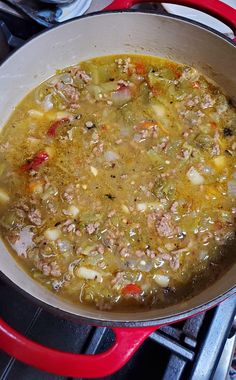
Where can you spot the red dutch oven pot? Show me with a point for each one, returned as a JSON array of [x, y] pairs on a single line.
[[89, 36]]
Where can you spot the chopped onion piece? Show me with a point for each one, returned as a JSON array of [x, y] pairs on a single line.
[[73, 211], [222, 107], [63, 77], [203, 255], [89, 274], [190, 74], [94, 171], [232, 188], [86, 251], [4, 197], [66, 78], [51, 191], [161, 280], [52, 234], [110, 155], [207, 170], [47, 103], [64, 246], [145, 266], [121, 97], [194, 176], [141, 206]]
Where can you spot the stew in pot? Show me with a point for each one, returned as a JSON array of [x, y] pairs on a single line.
[[118, 182]]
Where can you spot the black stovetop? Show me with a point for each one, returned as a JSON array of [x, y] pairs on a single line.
[[187, 350]]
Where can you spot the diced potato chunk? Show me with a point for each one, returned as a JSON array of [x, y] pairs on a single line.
[[220, 162], [161, 280], [89, 274], [94, 171], [52, 234], [195, 177]]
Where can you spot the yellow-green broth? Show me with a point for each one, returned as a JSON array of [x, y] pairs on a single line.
[[118, 182]]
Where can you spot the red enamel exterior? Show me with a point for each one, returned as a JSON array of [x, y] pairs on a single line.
[[215, 8], [127, 340]]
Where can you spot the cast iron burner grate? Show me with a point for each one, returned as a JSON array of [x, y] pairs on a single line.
[[187, 350]]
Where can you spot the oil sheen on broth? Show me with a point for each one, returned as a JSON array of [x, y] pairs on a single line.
[[118, 182]]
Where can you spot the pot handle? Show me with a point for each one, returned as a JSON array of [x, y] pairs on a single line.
[[215, 8], [61, 363]]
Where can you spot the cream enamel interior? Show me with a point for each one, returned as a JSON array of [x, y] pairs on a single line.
[[104, 34]]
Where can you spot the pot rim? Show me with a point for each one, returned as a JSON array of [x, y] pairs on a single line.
[[120, 323]]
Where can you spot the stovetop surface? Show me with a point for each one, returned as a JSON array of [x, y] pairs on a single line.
[[187, 350]]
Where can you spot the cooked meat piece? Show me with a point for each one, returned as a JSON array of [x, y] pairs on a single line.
[[35, 217]]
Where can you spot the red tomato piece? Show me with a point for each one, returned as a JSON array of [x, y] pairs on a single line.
[[131, 289], [140, 68], [35, 162]]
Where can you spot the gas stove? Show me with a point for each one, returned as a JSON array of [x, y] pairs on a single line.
[[198, 348]]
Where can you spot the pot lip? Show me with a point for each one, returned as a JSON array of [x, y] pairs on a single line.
[[131, 11], [120, 323]]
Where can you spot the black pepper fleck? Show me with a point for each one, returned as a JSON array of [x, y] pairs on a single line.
[[110, 196], [227, 132]]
